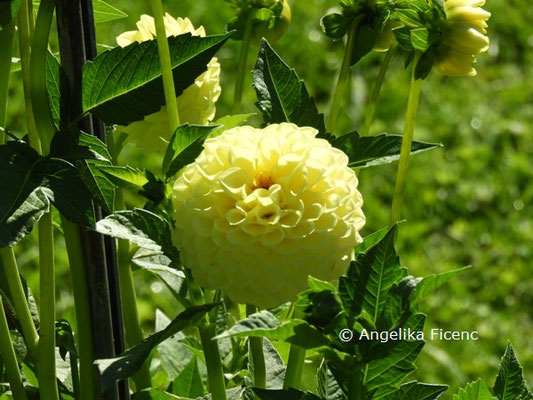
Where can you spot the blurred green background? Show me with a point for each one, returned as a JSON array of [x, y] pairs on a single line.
[[468, 203]]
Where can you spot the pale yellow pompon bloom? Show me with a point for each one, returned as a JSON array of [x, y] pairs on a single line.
[[262, 209], [463, 37], [196, 104]]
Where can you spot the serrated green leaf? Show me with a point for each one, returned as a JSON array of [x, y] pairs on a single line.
[[98, 183], [155, 394], [129, 362], [8, 11], [123, 85], [189, 381], [275, 368], [266, 324], [418, 391], [430, 283], [370, 277], [126, 177], [477, 390], [53, 73], [334, 25], [380, 149], [510, 382], [284, 394], [328, 388], [371, 240], [281, 95], [104, 12], [397, 304], [228, 122], [185, 145]]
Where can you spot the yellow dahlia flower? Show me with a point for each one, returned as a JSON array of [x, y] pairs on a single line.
[[262, 209], [196, 104], [463, 36]]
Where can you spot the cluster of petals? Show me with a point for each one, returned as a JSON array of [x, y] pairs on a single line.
[[196, 104], [262, 209], [463, 37]]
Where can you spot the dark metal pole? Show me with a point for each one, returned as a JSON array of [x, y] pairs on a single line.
[[73, 55]]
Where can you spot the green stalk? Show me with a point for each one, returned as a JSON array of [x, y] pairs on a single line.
[[355, 387], [344, 75], [9, 358], [166, 68], [39, 95], [258, 357], [24, 45], [46, 359], [19, 299], [215, 374], [374, 97], [83, 312], [243, 62], [6, 51], [407, 140], [132, 323], [295, 366]]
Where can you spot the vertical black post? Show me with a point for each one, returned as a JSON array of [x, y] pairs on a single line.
[[73, 56]]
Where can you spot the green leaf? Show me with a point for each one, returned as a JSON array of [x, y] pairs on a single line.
[[420, 38], [284, 394], [142, 227], [392, 369], [334, 25], [418, 391], [185, 145], [510, 382], [129, 362], [371, 240], [430, 283], [266, 324], [281, 95], [230, 121], [369, 278], [189, 381], [8, 11], [102, 188], [366, 39], [155, 394], [369, 151], [53, 73], [123, 85], [328, 388], [104, 12], [477, 390], [275, 368], [126, 177]]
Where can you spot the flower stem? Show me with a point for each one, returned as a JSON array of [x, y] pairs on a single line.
[[407, 140], [215, 374], [83, 311], [166, 67], [132, 323], [19, 299], [243, 62], [258, 357], [374, 97], [39, 94], [9, 358], [6, 50], [355, 387], [344, 75], [24, 45], [46, 359], [295, 365]]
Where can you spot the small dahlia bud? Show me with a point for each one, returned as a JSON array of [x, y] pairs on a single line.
[[262, 209], [386, 36], [463, 37], [196, 104]]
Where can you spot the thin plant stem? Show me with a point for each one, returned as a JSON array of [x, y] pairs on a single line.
[[344, 75], [24, 45], [132, 323], [19, 299], [295, 365], [6, 51], [74, 373], [243, 62], [258, 357], [215, 374], [374, 97], [355, 386], [9, 358], [83, 311], [39, 95], [46, 360], [166, 67], [407, 140]]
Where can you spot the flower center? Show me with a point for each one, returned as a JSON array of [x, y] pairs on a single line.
[[262, 180]]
